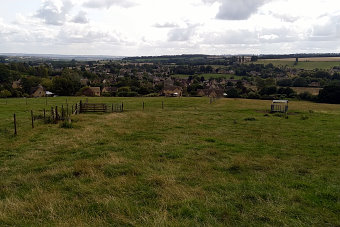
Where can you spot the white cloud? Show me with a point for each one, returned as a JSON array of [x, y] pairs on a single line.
[[108, 3], [170, 27], [182, 34], [285, 17], [165, 25], [81, 18], [328, 29], [54, 12]]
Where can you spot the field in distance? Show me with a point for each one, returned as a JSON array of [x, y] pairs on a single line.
[[316, 59], [229, 163], [304, 63], [208, 76]]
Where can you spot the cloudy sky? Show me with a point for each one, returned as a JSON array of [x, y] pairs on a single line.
[[160, 27]]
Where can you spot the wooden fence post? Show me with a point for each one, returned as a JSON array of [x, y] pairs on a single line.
[[44, 114], [62, 112], [32, 118], [56, 114], [15, 125], [52, 114], [122, 107], [80, 106]]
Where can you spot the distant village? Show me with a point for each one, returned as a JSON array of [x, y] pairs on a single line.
[[237, 78]]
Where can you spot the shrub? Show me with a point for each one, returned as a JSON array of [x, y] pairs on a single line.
[[253, 95], [268, 90], [283, 115], [330, 94], [307, 96], [66, 124], [304, 117], [250, 119], [152, 95], [127, 94], [5, 93]]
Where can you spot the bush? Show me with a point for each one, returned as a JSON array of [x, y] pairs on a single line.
[[300, 82], [152, 95], [107, 94], [268, 90], [283, 115], [5, 93], [330, 94], [307, 96], [304, 117], [233, 93], [253, 95], [250, 119], [127, 94], [66, 124], [285, 82]]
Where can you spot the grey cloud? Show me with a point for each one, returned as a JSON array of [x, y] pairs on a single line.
[[108, 3], [231, 37], [165, 25], [51, 14], [278, 35], [181, 34], [81, 18], [328, 31], [239, 9], [210, 1], [87, 34], [285, 17], [246, 37]]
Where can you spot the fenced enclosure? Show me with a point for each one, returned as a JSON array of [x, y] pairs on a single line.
[[33, 112], [280, 106]]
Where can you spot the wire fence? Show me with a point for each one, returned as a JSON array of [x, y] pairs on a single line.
[[21, 114]]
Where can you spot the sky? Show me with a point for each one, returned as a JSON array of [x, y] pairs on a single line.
[[169, 27]]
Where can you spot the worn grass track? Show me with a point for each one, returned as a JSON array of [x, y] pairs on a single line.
[[193, 163]]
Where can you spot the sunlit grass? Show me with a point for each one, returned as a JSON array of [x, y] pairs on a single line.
[[191, 163]]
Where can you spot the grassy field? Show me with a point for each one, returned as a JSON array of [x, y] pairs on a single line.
[[312, 90], [228, 163], [307, 64], [316, 59], [211, 75]]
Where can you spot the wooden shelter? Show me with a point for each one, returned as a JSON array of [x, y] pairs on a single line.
[[280, 106]]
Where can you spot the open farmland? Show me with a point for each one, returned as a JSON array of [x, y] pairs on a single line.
[[189, 164], [311, 90], [304, 63], [316, 59]]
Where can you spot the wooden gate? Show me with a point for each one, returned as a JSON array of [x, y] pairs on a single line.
[[93, 107]]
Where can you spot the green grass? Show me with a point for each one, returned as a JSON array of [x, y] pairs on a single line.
[[208, 76], [308, 65], [191, 164]]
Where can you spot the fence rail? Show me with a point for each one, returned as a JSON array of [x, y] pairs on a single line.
[[93, 107], [32, 112]]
